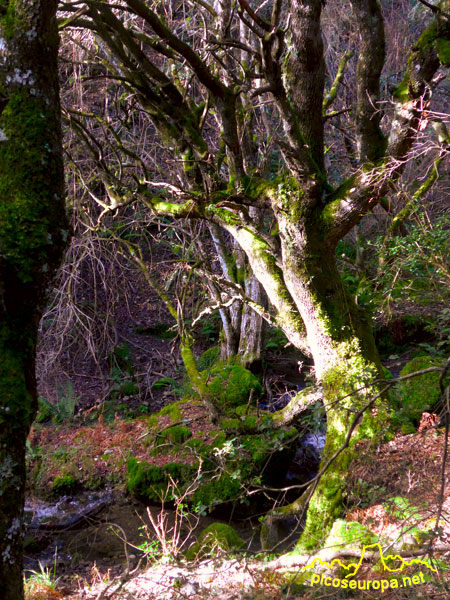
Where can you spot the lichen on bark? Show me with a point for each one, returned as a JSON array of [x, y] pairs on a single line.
[[33, 235]]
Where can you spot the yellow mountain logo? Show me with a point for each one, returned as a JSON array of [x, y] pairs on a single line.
[[353, 568]]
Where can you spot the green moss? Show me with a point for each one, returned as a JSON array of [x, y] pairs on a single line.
[[197, 445], [27, 206], [208, 359], [427, 39], [217, 491], [242, 410], [217, 537], [418, 394], [8, 19], [64, 484], [241, 425], [172, 410], [275, 444], [230, 424], [175, 435], [443, 50], [231, 385], [154, 483], [349, 535], [346, 389]]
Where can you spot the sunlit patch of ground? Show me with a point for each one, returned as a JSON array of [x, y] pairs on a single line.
[[410, 466]]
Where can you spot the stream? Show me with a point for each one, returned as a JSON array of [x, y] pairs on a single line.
[[106, 527]]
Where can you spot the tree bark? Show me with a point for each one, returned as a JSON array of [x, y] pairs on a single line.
[[33, 235], [297, 265]]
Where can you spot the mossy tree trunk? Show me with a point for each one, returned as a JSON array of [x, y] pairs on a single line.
[[33, 234], [295, 260]]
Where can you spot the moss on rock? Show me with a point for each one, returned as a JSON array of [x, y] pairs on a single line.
[[224, 466], [64, 484], [231, 385], [350, 535], [417, 394], [152, 482], [217, 537]]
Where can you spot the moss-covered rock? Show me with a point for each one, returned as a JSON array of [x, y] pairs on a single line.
[[217, 471], [217, 537], [64, 484], [218, 490], [173, 410], [248, 424], [154, 483], [231, 385], [349, 535], [416, 395]]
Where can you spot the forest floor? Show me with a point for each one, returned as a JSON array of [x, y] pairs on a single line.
[[104, 562], [409, 466]]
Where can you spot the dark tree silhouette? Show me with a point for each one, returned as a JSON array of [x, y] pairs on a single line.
[[33, 234]]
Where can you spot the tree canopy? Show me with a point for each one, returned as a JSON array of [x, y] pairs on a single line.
[[250, 115]]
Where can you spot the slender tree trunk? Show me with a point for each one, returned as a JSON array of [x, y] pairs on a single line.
[[252, 324], [33, 235]]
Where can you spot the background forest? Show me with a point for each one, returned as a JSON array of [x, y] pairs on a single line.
[[244, 357]]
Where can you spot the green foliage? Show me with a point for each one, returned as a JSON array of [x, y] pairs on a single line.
[[365, 493], [151, 548], [122, 369], [416, 264], [44, 578], [439, 328], [359, 285], [208, 359], [217, 537], [46, 410], [400, 508], [64, 484], [210, 328], [64, 408], [275, 340], [417, 394]]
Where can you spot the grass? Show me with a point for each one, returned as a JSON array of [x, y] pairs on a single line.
[[41, 584]]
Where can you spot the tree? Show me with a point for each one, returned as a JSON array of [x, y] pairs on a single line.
[[33, 235], [257, 75]]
